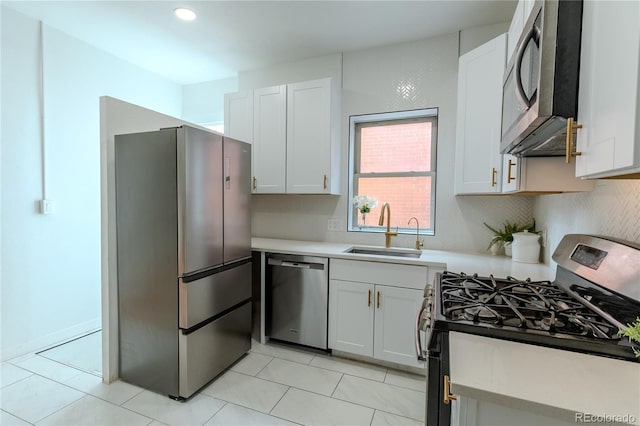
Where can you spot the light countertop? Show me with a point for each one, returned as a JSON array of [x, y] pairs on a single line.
[[480, 263], [549, 381]]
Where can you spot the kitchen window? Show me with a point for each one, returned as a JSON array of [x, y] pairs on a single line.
[[393, 160]]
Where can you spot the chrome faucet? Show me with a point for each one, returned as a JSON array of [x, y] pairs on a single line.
[[388, 234], [419, 243]]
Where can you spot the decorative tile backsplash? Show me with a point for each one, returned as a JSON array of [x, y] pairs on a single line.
[[611, 209]]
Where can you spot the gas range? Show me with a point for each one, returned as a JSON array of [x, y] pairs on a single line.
[[595, 293], [536, 312]]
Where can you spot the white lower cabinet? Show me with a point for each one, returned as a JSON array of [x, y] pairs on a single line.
[[351, 317], [394, 332], [372, 311]]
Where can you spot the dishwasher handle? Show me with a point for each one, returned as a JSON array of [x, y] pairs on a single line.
[[294, 264]]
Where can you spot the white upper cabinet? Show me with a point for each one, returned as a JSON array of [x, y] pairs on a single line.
[[520, 17], [295, 129], [515, 28], [269, 140], [478, 159], [609, 140], [312, 138], [238, 116]]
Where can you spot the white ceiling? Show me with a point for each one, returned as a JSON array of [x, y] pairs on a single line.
[[232, 36]]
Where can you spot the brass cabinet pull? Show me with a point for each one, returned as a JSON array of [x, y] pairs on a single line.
[[324, 185], [378, 300], [571, 126], [494, 172], [509, 178], [369, 298], [448, 397], [255, 183]]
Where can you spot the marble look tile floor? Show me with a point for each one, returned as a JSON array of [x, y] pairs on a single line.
[[271, 385]]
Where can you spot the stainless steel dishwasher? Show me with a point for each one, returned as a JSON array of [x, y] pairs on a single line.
[[297, 293]]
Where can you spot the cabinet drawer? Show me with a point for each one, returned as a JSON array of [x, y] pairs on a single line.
[[392, 274]]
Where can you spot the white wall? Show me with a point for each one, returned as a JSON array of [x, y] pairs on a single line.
[[476, 36], [51, 264], [203, 103], [611, 209], [370, 80]]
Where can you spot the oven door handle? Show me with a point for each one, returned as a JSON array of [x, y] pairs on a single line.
[[418, 341]]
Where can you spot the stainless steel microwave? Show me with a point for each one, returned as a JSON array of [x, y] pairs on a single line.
[[540, 89]]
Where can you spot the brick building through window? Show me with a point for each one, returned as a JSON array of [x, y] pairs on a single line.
[[393, 161]]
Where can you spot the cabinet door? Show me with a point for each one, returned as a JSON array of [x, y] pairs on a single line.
[[269, 140], [351, 317], [510, 173], [238, 116], [608, 99], [515, 28], [396, 310], [478, 159], [309, 137]]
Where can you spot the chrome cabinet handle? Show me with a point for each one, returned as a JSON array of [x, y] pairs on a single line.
[[494, 173], [571, 126], [324, 184], [255, 182]]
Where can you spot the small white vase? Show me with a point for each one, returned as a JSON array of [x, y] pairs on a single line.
[[507, 248], [495, 248]]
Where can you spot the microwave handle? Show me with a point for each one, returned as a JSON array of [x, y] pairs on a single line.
[[534, 33]]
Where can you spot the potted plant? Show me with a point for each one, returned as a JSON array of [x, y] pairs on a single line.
[[503, 237], [632, 332], [364, 204]]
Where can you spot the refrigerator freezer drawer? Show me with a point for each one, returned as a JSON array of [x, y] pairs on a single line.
[[206, 352], [211, 295]]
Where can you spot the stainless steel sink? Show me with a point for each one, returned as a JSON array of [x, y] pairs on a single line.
[[381, 251]]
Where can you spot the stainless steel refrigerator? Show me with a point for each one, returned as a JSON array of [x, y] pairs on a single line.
[[184, 257]]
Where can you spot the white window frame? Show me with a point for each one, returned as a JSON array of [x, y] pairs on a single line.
[[354, 154]]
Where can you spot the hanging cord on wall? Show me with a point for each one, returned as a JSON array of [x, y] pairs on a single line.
[[41, 107]]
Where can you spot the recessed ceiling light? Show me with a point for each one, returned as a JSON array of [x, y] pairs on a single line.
[[185, 14]]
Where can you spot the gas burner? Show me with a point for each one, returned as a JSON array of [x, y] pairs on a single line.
[[481, 313], [522, 304], [551, 323]]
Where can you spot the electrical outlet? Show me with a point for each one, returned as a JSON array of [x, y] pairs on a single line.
[[47, 207], [543, 237], [333, 224]]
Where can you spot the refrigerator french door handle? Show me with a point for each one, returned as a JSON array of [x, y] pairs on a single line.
[[227, 172]]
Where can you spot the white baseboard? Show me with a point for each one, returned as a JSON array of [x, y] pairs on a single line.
[[51, 339]]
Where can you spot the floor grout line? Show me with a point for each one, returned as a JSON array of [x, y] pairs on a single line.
[[361, 364]]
